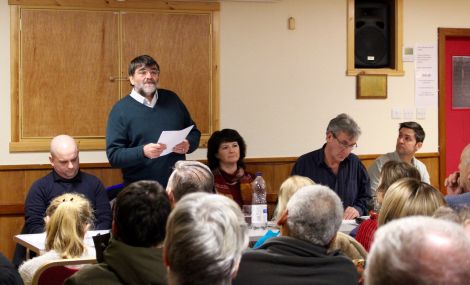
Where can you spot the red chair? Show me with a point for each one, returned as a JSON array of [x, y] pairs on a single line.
[[55, 272]]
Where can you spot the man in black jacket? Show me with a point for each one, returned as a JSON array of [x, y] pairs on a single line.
[[301, 254], [134, 253]]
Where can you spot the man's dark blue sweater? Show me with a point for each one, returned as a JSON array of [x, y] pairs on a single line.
[[131, 125]]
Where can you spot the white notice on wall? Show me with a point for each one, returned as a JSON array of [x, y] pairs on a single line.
[[426, 75]]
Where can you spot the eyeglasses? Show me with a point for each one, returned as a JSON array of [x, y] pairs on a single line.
[[345, 145]]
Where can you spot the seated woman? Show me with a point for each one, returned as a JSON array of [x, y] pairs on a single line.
[[68, 217], [391, 172], [287, 189], [225, 153], [409, 197]]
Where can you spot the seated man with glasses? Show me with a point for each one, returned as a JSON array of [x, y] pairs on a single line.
[[335, 166], [409, 141]]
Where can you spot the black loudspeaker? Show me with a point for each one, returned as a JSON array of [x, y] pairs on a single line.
[[372, 34]]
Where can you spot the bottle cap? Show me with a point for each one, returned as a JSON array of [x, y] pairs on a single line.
[[259, 173]]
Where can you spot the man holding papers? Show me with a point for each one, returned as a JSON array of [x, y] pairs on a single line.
[[134, 140]]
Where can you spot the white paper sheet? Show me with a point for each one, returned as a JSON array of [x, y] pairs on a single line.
[[172, 138], [426, 75]]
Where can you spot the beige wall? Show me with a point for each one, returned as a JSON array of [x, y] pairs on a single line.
[[278, 87]]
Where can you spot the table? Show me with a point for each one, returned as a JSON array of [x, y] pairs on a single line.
[[346, 227], [36, 242]]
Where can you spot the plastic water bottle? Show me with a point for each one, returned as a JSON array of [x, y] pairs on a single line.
[[259, 207]]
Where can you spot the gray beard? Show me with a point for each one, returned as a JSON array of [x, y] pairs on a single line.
[[142, 92]]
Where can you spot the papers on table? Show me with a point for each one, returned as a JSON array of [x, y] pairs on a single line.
[[172, 138], [36, 242]]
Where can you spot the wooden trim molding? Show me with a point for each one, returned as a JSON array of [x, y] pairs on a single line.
[[140, 4], [28, 145], [273, 160], [14, 209]]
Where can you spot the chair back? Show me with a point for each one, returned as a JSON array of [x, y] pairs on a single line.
[[113, 190], [55, 275], [55, 272]]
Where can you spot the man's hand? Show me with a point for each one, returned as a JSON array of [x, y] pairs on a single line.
[[350, 213], [452, 184], [153, 150], [182, 147]]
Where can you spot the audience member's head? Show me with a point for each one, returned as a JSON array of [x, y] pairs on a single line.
[[288, 188], [409, 141], [64, 156], [188, 177], [140, 214], [464, 215], [392, 171], [409, 197], [446, 213], [460, 216], [313, 214], [206, 234], [218, 141], [68, 217], [417, 129], [419, 251]]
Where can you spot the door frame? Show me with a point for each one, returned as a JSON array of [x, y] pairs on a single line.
[[443, 35]]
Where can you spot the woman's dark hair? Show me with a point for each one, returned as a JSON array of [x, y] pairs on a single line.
[[219, 137]]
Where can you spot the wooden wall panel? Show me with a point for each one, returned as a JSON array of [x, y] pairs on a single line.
[[10, 225], [77, 56], [59, 49], [15, 181], [182, 46]]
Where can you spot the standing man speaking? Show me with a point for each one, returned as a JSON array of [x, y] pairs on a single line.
[[136, 122]]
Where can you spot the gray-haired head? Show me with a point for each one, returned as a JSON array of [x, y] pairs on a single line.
[[315, 214], [344, 123], [205, 237], [419, 250], [190, 176]]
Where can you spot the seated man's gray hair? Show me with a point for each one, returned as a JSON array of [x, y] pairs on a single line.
[[315, 214], [344, 123], [205, 237], [190, 176], [419, 250]]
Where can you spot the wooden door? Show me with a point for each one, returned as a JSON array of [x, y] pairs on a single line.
[[181, 43], [454, 122], [67, 57]]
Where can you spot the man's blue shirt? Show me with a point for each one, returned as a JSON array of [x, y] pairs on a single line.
[[352, 182]]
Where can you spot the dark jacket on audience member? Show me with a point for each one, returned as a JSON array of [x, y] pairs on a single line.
[[8, 273], [287, 260], [124, 264]]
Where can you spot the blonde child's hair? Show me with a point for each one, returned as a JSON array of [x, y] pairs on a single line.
[[288, 188], [409, 197], [69, 216]]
